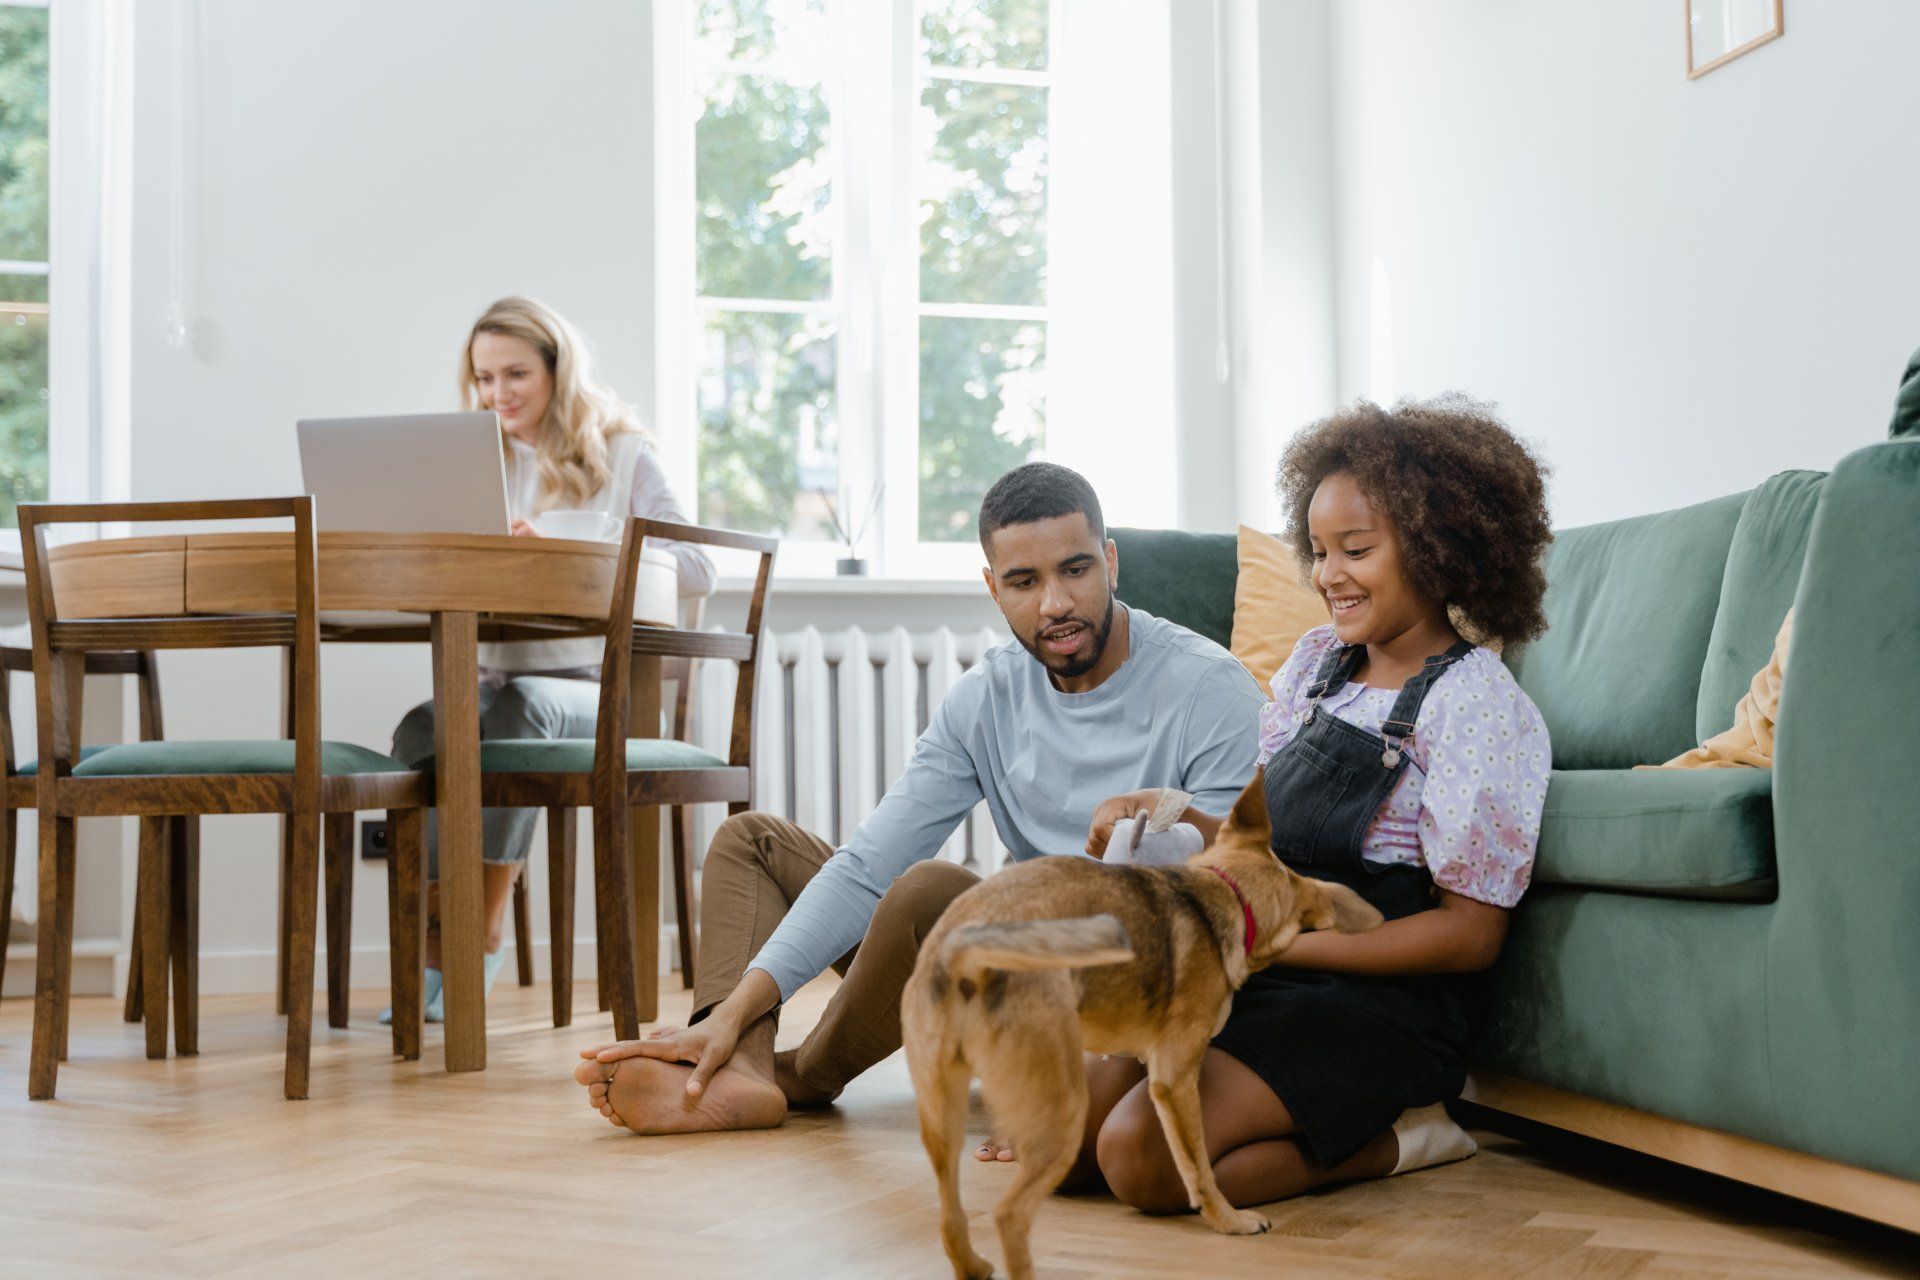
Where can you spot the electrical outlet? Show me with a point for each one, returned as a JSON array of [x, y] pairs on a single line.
[[373, 840]]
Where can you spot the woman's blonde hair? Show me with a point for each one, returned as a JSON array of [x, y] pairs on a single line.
[[582, 416]]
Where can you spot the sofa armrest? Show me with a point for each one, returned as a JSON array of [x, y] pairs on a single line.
[[1844, 947]]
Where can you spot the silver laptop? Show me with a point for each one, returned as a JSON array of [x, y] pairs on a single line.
[[418, 473]]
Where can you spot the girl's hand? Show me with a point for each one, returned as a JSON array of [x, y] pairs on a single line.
[[521, 529], [1112, 811]]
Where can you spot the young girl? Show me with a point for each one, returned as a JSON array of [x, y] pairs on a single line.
[[1397, 758], [570, 445]]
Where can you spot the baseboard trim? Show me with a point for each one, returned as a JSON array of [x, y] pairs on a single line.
[[100, 967], [1878, 1197]]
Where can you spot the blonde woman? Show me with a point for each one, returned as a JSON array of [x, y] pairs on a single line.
[[570, 445]]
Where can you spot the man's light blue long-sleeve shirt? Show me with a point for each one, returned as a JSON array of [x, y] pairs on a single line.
[[1180, 712]]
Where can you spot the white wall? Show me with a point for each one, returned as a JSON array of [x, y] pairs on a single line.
[[362, 179], [1677, 288]]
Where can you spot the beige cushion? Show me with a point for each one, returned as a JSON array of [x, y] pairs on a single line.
[[1272, 607]]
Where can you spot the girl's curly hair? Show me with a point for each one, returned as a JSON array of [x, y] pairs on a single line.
[[1469, 499]]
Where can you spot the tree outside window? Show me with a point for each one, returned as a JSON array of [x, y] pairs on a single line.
[[23, 258], [771, 153]]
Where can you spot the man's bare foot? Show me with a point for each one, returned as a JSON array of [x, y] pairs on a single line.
[[994, 1150], [796, 1090], [647, 1095]]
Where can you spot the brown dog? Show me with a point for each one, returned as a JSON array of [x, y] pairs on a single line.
[[1058, 956]]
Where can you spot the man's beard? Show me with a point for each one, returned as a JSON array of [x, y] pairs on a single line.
[[1082, 662]]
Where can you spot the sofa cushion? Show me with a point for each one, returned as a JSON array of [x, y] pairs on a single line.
[[1763, 572], [1704, 833], [1272, 607], [1186, 578], [1630, 607]]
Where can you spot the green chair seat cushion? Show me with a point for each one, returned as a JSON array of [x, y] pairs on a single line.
[[32, 767], [174, 757], [575, 755], [1682, 833]]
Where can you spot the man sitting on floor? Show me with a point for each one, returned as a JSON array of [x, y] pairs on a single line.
[[1112, 700]]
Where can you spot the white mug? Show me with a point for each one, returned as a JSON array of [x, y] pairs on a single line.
[[580, 526]]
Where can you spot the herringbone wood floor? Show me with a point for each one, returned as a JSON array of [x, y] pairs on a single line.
[[197, 1167]]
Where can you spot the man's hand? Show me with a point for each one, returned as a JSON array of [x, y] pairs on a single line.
[[1112, 811], [706, 1046]]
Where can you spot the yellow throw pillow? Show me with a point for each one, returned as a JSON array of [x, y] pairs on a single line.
[[1272, 607], [1749, 744]]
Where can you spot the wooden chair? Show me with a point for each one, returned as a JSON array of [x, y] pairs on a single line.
[[680, 671], [614, 774], [19, 782], [164, 783]]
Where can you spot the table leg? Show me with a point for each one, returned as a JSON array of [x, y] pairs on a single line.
[[456, 743], [644, 702]]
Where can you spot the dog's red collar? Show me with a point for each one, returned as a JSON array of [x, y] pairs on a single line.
[[1246, 911]]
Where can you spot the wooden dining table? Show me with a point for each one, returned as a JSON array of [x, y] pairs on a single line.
[[448, 590]]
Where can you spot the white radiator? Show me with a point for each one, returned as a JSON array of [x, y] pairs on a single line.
[[835, 718]]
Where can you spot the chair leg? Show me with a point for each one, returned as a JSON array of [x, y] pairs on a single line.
[[562, 844], [50, 990], [284, 916], [406, 918], [602, 976], [646, 911], [183, 857], [522, 927], [613, 907], [134, 1006], [302, 908], [339, 853], [156, 911], [63, 921], [9, 838], [602, 954], [683, 903]]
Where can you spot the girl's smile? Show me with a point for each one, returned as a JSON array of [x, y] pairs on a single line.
[[1360, 571]]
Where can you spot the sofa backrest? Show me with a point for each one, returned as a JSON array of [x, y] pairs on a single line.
[[1763, 572], [1630, 610], [1186, 578]]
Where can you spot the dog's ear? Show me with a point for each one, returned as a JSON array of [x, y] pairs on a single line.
[[1334, 906], [1249, 816]]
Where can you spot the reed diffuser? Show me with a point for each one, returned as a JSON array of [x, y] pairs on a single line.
[[849, 533]]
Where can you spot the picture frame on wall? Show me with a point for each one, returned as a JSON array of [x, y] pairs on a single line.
[[1718, 31]]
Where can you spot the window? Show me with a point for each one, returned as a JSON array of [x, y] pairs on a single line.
[[24, 275], [981, 156], [864, 190]]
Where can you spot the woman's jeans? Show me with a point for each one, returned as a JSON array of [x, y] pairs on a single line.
[[552, 704]]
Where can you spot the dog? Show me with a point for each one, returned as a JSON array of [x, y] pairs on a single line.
[[1060, 956]]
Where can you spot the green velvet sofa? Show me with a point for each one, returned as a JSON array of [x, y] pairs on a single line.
[[1721, 967]]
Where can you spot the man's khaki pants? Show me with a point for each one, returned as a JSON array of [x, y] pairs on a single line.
[[756, 866]]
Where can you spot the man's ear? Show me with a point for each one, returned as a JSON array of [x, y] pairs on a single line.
[[1113, 566], [993, 586]]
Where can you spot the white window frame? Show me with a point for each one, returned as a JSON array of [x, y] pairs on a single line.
[[875, 296], [88, 113]]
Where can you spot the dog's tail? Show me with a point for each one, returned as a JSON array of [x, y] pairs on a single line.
[[1079, 943]]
